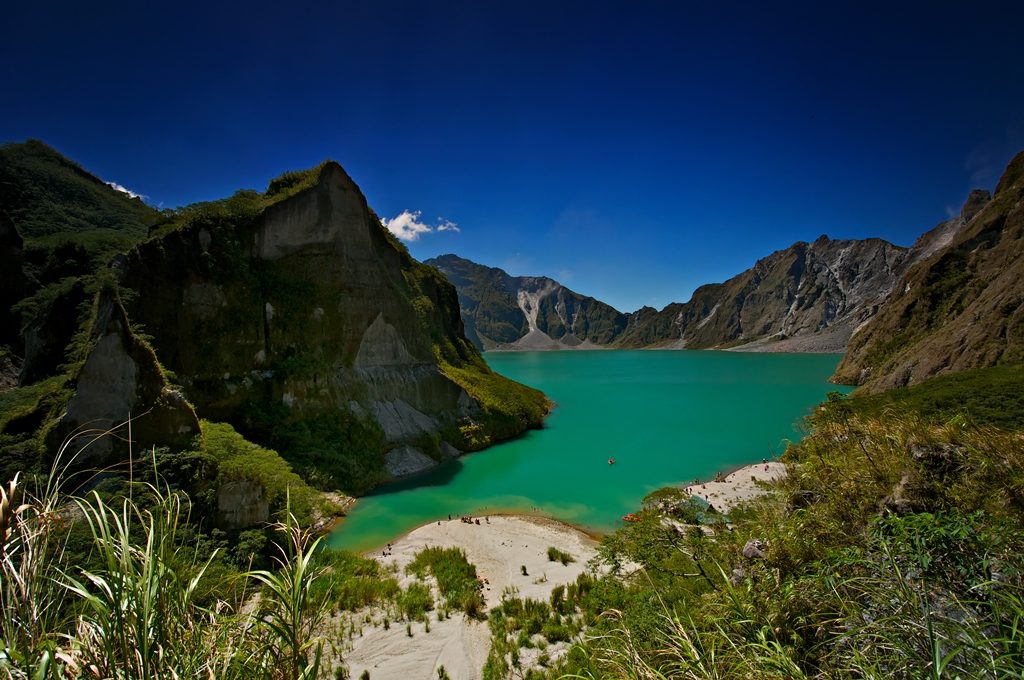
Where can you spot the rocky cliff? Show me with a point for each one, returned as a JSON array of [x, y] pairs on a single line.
[[119, 379], [59, 224], [295, 316], [526, 312], [290, 313], [959, 307], [808, 297]]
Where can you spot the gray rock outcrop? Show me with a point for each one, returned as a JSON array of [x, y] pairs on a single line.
[[809, 297], [119, 381], [407, 460], [308, 311], [242, 504]]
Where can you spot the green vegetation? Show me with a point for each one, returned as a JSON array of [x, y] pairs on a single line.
[[332, 450], [508, 407], [71, 223], [456, 578], [556, 555], [349, 582], [238, 458], [224, 215], [986, 396], [45, 194], [134, 609], [518, 624], [415, 602], [893, 547]]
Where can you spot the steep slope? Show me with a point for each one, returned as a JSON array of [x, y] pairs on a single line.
[[295, 316], [959, 308], [46, 194], [59, 225], [119, 378], [526, 312], [12, 280], [808, 297]]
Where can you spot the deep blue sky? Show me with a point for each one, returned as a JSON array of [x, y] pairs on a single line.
[[632, 149]]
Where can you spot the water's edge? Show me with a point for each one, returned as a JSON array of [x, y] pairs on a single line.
[[667, 417]]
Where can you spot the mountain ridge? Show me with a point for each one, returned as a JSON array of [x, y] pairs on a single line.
[[960, 307], [811, 290], [291, 314]]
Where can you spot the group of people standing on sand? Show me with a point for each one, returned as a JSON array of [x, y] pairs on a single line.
[[468, 519]]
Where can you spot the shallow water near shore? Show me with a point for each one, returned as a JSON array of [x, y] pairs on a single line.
[[666, 417]]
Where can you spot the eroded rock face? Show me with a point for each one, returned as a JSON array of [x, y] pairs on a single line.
[[407, 460], [959, 307], [121, 380], [526, 312], [811, 294], [309, 309], [241, 504], [808, 297], [46, 337]]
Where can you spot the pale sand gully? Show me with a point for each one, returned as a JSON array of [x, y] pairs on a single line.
[[739, 486], [499, 547]]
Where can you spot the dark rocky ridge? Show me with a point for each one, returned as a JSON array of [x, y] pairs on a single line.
[[808, 297], [526, 312], [960, 306], [12, 281], [308, 311], [291, 313], [121, 379]]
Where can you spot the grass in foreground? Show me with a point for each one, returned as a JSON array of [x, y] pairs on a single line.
[[893, 549]]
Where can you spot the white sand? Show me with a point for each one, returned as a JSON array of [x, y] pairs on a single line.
[[458, 644], [498, 550], [738, 486]]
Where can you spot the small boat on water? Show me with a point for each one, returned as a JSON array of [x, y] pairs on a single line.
[[611, 461]]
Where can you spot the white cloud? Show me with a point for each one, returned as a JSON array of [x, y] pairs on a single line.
[[408, 227], [125, 190]]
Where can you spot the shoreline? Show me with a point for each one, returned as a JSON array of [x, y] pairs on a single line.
[[536, 517], [509, 551], [498, 547], [736, 486], [509, 554]]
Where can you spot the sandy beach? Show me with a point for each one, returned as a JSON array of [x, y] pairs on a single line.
[[499, 547], [739, 486]]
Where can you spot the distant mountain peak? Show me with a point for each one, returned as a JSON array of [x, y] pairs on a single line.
[[959, 304], [817, 293], [976, 200]]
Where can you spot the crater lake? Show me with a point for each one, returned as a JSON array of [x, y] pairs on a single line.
[[666, 417]]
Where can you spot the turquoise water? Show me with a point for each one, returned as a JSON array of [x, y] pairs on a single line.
[[665, 416]]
